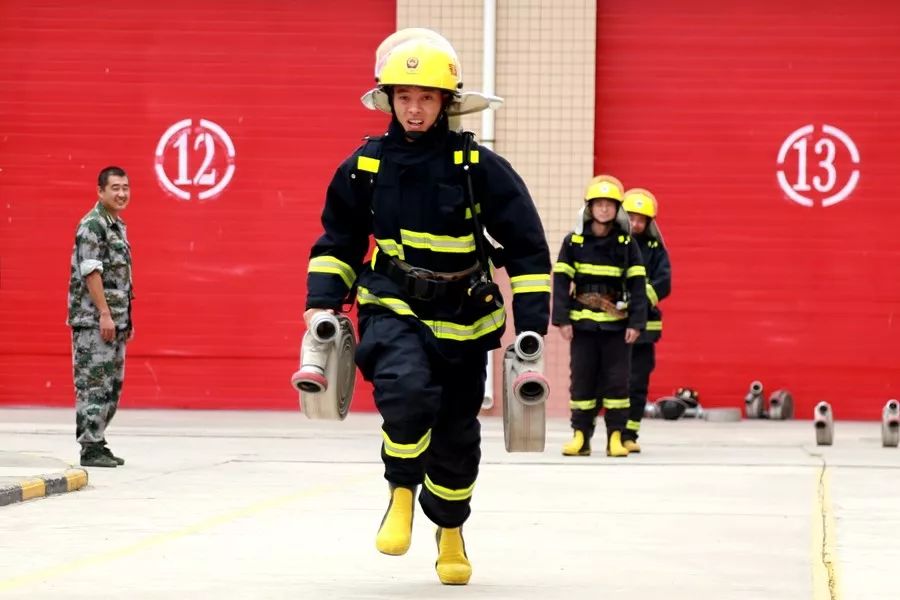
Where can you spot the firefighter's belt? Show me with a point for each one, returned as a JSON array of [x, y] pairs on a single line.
[[423, 284], [604, 302]]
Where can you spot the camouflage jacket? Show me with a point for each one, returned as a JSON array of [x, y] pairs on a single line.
[[100, 245]]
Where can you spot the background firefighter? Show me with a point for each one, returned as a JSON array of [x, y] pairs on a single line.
[[600, 305], [642, 210], [428, 311]]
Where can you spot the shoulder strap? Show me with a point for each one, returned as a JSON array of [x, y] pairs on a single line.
[[467, 157]]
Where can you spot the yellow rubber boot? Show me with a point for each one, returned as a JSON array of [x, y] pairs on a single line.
[[395, 533], [577, 446], [452, 566], [632, 446], [615, 447]]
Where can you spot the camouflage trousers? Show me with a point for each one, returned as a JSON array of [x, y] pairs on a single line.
[[98, 368]]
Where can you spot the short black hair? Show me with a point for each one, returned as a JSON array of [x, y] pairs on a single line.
[[103, 178]]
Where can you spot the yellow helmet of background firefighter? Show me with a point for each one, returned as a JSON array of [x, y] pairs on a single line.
[[419, 57], [640, 201], [604, 186]]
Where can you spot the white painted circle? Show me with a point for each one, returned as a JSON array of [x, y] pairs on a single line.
[[188, 180]]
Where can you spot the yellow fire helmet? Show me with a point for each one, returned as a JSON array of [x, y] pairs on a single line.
[[421, 57], [603, 186], [642, 202]]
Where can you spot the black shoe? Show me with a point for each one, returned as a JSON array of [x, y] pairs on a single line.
[[93, 456], [107, 452]]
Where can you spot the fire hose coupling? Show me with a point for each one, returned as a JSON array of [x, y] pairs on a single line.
[[324, 327], [529, 346], [823, 421], [890, 424], [327, 374], [525, 391], [754, 402]]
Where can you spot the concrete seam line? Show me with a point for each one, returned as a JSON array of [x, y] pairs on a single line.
[[825, 571]]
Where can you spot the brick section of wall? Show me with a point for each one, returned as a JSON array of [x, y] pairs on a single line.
[[545, 72]]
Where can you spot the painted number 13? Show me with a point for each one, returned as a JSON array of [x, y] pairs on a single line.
[[824, 145]]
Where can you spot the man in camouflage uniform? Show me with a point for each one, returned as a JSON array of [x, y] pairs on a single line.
[[100, 295]]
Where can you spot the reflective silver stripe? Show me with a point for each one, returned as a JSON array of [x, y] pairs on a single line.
[[332, 266], [564, 268], [616, 403], [530, 283], [445, 493], [390, 247], [633, 425], [602, 270], [437, 243], [456, 331], [442, 329], [392, 448], [364, 296], [590, 315], [636, 271], [582, 404], [651, 295]]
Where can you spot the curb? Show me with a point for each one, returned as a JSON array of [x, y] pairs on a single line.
[[43, 485]]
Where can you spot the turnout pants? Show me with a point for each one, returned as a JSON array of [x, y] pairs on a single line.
[[643, 361], [98, 370], [429, 403], [599, 364]]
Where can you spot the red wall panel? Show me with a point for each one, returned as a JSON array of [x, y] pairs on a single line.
[[220, 282], [694, 101]]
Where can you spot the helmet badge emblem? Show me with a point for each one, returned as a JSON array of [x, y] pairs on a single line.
[[412, 62]]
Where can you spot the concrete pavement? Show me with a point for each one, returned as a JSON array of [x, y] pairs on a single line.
[[272, 505]]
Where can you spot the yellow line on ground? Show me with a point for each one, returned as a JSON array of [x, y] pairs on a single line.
[[157, 540], [825, 572]]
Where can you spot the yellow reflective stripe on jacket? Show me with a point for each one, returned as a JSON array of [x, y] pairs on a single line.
[[469, 210], [636, 271], [366, 163], [602, 270], [522, 284], [590, 315], [447, 330], [332, 266], [651, 295], [392, 448], [445, 493], [458, 157], [389, 247], [564, 268], [442, 329], [633, 425], [577, 239], [364, 296], [654, 326], [437, 243], [616, 403], [582, 404]]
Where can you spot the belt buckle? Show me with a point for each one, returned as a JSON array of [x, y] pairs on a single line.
[[423, 289]]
